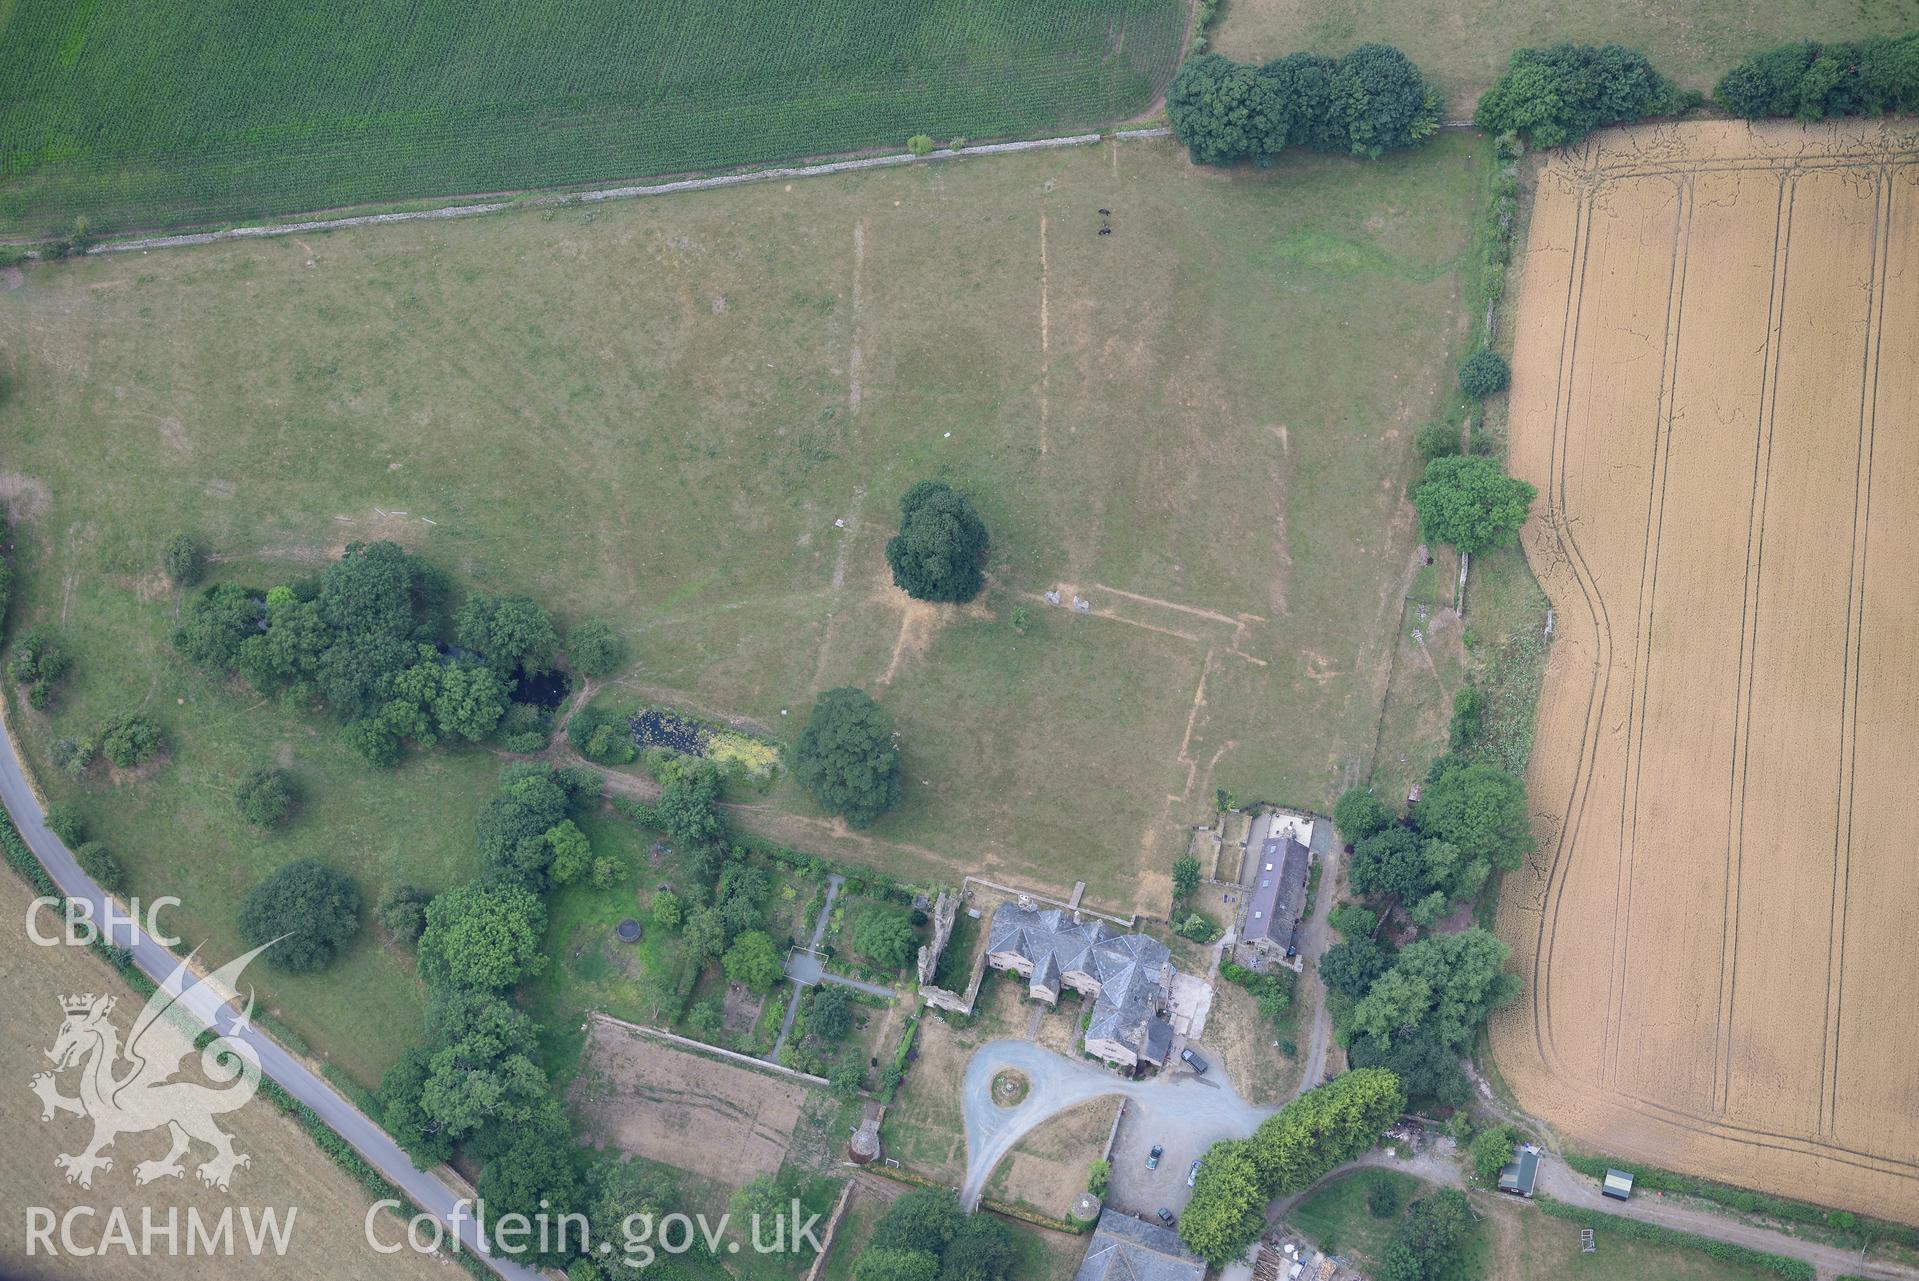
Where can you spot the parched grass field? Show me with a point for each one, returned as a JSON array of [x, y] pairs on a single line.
[[136, 116], [660, 412], [328, 1233], [1717, 355], [1047, 1170], [1463, 47]]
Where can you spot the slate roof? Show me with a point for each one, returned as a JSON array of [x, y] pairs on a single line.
[[1127, 1249], [1133, 970], [1278, 887]]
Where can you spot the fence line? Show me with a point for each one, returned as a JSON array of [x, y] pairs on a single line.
[[562, 198]]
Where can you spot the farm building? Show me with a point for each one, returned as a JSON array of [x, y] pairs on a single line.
[[1276, 898], [1127, 1249], [1519, 1176], [1617, 1185], [1129, 976]]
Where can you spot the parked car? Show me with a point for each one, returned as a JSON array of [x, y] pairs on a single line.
[[1166, 1216], [1193, 1061], [1152, 1158], [1192, 1174]]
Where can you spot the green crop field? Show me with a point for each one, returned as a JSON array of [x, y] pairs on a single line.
[[1464, 46], [694, 416], [140, 115]]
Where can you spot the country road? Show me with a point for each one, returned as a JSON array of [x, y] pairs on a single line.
[[1315, 936], [206, 1005]]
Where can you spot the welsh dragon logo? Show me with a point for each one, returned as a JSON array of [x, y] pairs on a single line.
[[129, 1090]]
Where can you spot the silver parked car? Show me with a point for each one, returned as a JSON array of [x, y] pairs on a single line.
[[1152, 1158]]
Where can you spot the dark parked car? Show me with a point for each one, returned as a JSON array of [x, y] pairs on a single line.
[[1193, 1061], [1192, 1174], [1166, 1216], [1152, 1158]]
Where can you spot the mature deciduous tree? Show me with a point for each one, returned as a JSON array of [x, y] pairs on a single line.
[[941, 545], [1470, 503], [1480, 809], [885, 935], [312, 909], [482, 936], [753, 960], [594, 649], [846, 758], [512, 632], [264, 797], [1358, 814]]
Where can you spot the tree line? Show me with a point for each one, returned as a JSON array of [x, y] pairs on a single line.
[[1291, 1150], [1374, 100]]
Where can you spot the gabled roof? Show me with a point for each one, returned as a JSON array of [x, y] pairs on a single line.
[[1127, 1249], [1278, 885], [1132, 969], [1522, 1173]]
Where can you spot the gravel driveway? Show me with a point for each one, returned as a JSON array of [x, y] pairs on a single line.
[[1176, 1108]]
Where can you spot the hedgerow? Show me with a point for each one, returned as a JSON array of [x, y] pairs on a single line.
[[1777, 1264], [1813, 81]]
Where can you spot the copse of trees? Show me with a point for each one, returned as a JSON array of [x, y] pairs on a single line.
[[846, 758], [312, 909], [940, 548], [39, 660], [1426, 874], [1556, 96], [131, 739], [924, 1236], [1419, 1015], [1813, 81], [1371, 101], [1470, 503], [339, 642], [1291, 1150], [361, 642]]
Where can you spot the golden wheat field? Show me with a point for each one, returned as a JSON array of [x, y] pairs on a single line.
[[1714, 388], [287, 1172]]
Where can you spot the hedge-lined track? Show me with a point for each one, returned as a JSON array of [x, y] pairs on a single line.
[[144, 115]]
